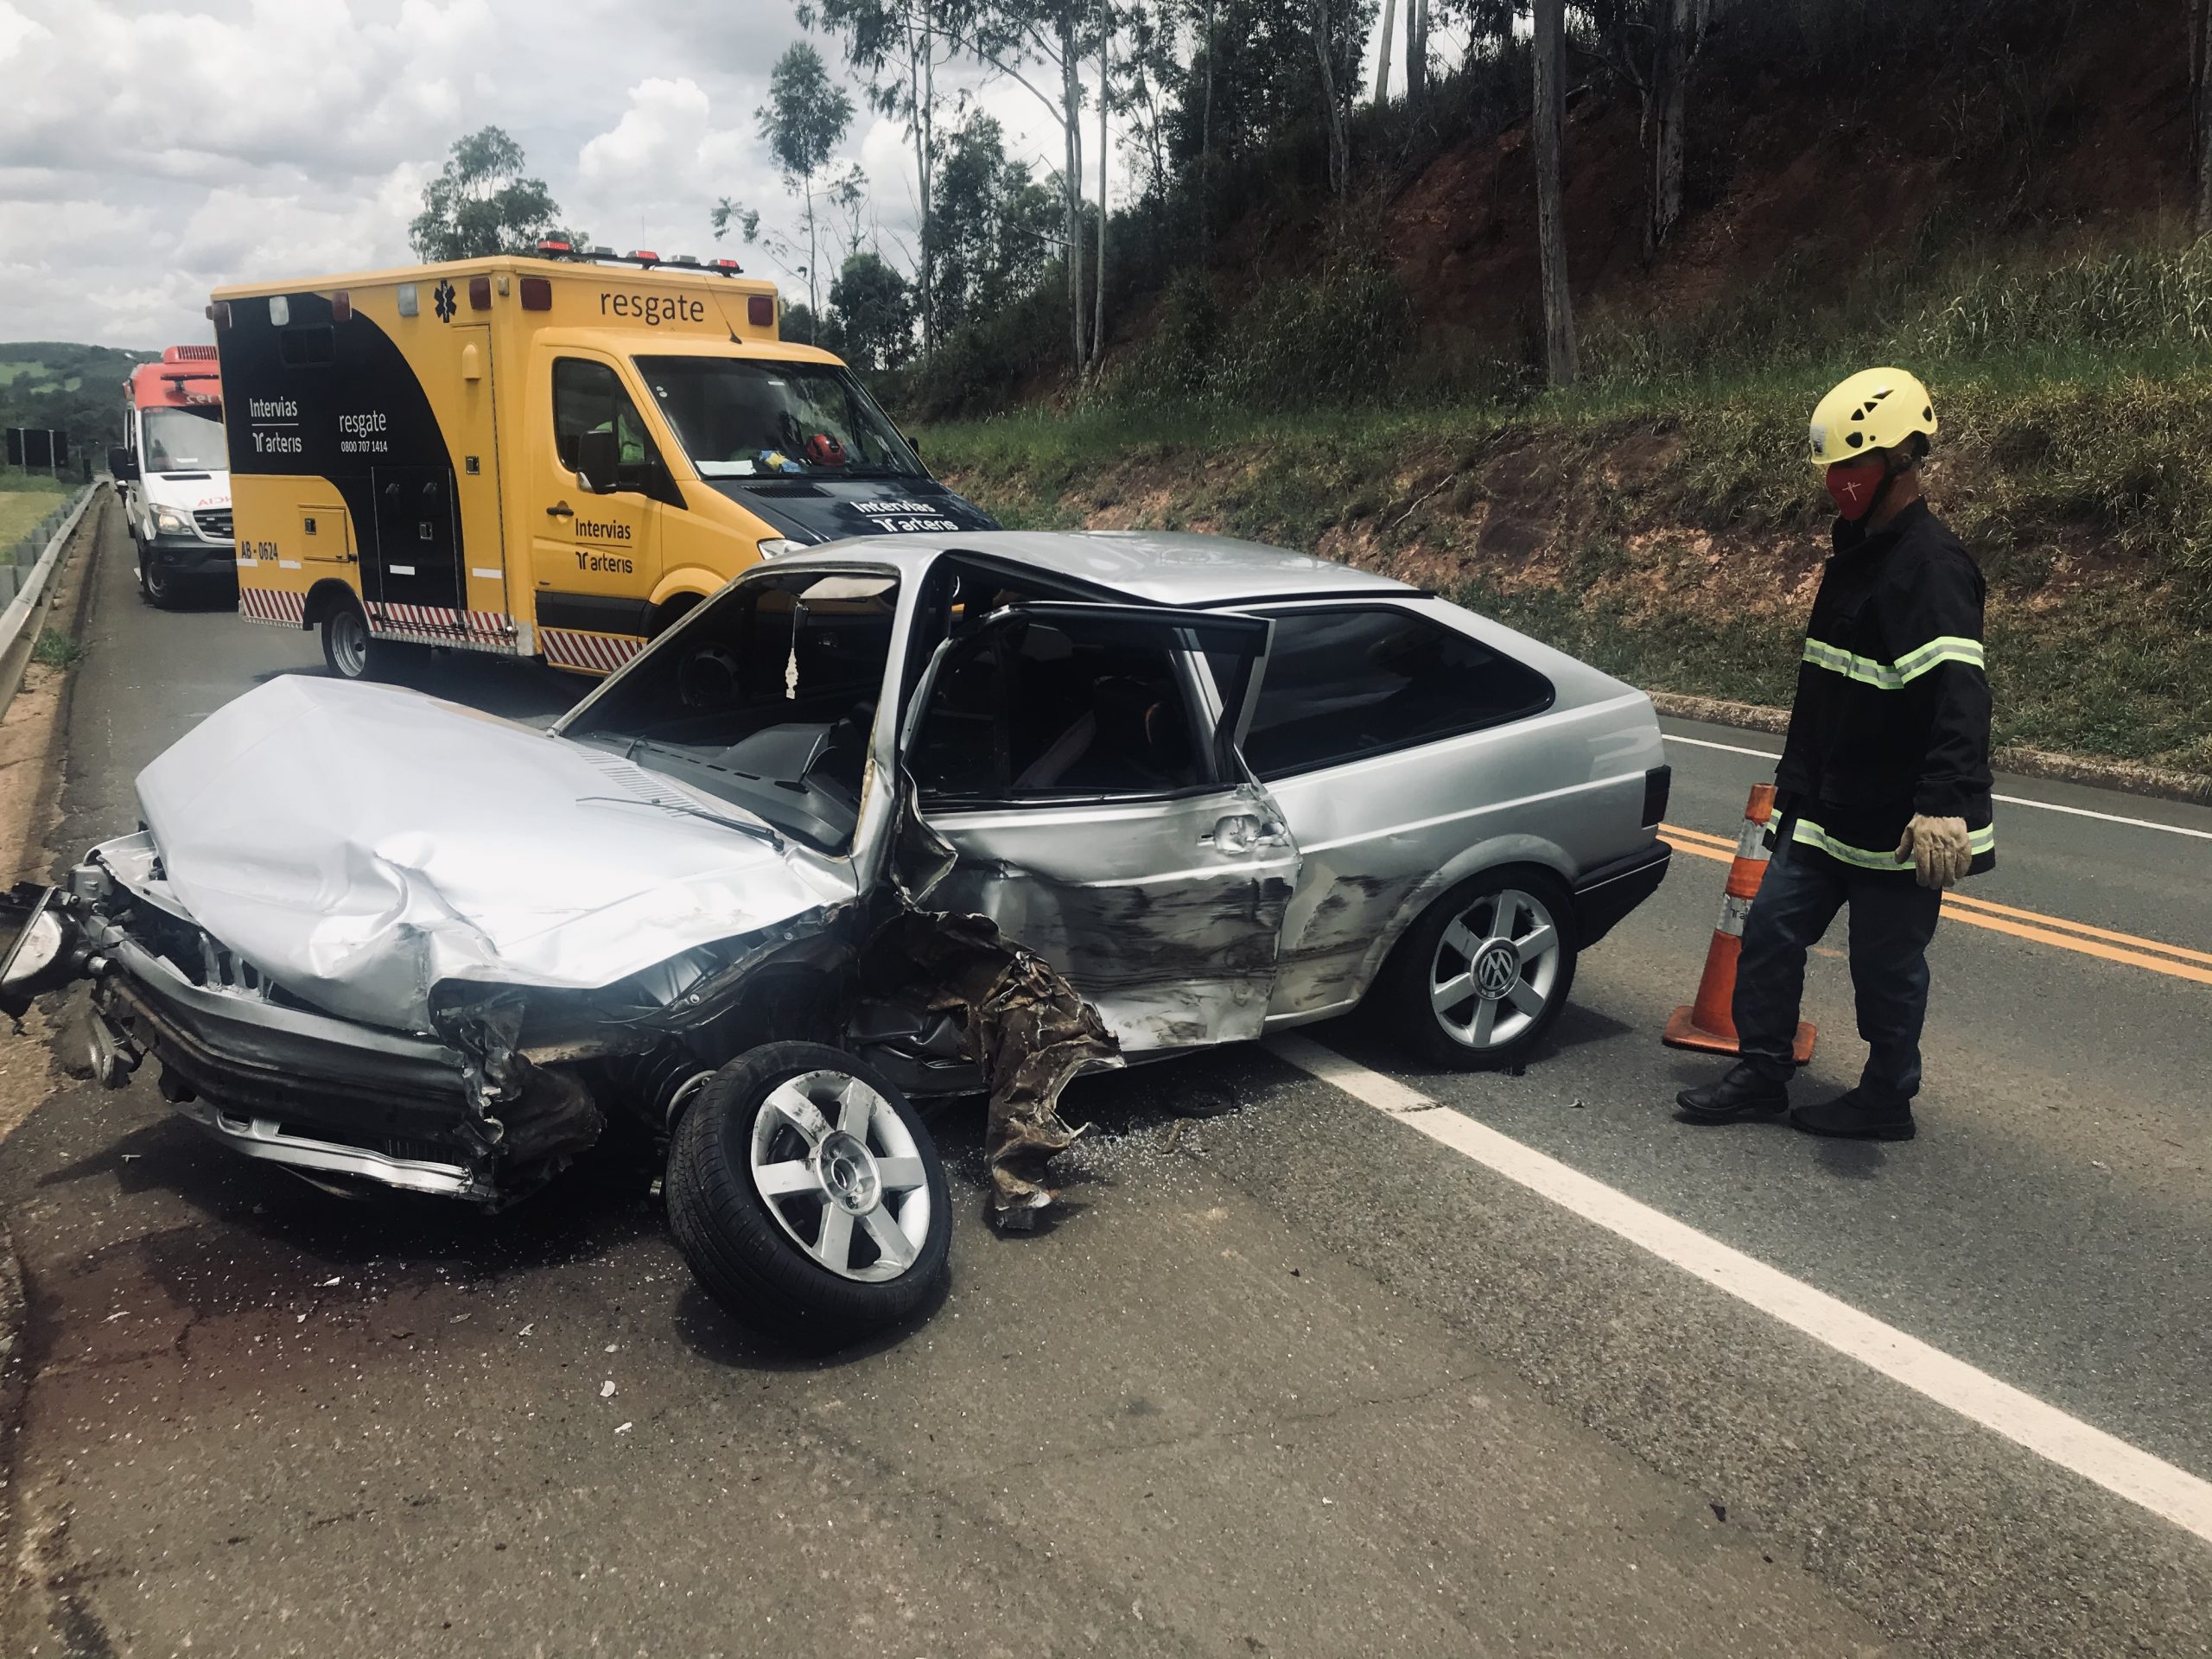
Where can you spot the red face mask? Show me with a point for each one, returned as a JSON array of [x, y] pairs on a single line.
[[1853, 485]]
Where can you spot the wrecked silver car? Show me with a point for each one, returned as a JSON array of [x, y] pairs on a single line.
[[916, 817]]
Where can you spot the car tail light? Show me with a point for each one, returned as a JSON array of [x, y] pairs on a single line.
[[760, 311], [218, 313], [341, 306], [537, 294], [480, 293], [1657, 783]]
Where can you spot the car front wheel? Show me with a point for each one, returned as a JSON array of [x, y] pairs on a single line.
[[1479, 978], [806, 1196]]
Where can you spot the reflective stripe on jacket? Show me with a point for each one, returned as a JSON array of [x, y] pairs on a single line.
[[1891, 716]]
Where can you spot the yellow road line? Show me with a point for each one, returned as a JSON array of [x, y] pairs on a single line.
[[2103, 943]]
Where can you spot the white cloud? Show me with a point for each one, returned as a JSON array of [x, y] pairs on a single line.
[[149, 152]]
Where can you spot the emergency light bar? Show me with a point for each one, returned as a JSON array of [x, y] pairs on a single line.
[[644, 258]]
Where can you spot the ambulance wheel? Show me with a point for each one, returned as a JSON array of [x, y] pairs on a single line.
[[807, 1196], [155, 586], [346, 646]]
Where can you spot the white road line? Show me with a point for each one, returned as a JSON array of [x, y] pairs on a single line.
[[2126, 1471], [2009, 800]]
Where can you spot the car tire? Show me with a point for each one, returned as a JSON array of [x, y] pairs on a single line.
[[348, 648], [157, 590], [763, 1166], [1479, 978]]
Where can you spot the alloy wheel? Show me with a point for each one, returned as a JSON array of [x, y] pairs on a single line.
[[839, 1169], [1495, 970]]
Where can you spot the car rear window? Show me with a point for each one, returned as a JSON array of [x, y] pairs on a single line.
[[1341, 685]]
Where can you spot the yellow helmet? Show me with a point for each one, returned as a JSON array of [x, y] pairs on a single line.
[[1876, 409]]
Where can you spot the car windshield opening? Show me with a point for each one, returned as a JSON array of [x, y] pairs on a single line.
[[765, 699], [738, 418], [185, 441]]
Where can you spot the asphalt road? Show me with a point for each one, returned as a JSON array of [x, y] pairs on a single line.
[[1294, 1379]]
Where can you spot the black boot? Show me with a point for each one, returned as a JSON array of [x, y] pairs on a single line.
[[1857, 1115], [1744, 1093]]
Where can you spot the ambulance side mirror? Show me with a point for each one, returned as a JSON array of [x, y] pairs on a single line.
[[122, 465], [598, 460]]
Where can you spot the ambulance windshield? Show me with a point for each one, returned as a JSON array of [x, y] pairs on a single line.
[[185, 441], [753, 419]]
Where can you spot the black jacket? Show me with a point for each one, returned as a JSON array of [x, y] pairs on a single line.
[[1891, 717]]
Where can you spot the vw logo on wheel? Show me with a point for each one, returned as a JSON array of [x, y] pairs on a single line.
[[1497, 969]]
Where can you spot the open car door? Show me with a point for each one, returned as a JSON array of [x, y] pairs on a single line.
[[1078, 765]]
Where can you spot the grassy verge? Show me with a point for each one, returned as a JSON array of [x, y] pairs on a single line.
[[1669, 531], [23, 502]]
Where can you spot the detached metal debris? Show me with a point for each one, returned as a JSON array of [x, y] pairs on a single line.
[[1024, 1024]]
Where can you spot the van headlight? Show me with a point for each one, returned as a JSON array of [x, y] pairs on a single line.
[[168, 521], [775, 546]]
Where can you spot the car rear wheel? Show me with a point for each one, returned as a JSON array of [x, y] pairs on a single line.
[[1478, 980], [806, 1196], [346, 646]]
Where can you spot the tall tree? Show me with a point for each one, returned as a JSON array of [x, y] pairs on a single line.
[[806, 118], [1547, 125], [1105, 102], [1383, 57], [1416, 51], [482, 204], [1012, 37], [1653, 44], [993, 228], [1324, 21], [899, 44], [2201, 126], [874, 311]]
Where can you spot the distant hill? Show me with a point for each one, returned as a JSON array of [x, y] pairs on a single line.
[[78, 389]]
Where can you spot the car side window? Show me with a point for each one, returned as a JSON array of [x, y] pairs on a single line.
[[588, 396], [1343, 684], [1059, 707]]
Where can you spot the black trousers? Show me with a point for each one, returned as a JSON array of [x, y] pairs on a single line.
[[1893, 919]]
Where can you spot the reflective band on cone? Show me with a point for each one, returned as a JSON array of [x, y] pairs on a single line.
[[1709, 1024]]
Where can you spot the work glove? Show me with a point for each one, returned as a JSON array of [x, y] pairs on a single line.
[[1937, 849]]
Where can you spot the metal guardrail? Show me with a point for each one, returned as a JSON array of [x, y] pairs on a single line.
[[28, 567]]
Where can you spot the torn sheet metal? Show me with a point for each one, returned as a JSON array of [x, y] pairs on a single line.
[[1172, 935], [1025, 1024], [359, 844]]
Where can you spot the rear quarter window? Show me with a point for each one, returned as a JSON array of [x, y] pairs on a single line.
[[1342, 684]]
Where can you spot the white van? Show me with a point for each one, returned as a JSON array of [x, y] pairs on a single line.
[[174, 472]]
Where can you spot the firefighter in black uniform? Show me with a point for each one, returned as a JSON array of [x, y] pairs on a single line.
[[1882, 791]]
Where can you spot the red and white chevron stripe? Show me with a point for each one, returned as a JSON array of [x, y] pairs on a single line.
[[441, 625], [272, 605], [589, 653]]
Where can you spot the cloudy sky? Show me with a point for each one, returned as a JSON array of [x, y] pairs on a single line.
[[149, 152]]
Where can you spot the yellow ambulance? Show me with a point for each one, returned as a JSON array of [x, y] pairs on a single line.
[[550, 457]]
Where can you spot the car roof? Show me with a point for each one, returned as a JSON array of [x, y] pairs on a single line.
[[1163, 567]]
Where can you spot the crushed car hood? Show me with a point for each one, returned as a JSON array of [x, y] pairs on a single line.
[[358, 844]]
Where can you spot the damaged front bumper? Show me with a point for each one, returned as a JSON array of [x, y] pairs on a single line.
[[293, 1087], [466, 1115]]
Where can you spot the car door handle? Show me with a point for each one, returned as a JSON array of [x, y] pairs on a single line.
[[560, 509], [1240, 832]]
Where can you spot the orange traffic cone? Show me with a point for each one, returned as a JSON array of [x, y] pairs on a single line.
[[1708, 1024]]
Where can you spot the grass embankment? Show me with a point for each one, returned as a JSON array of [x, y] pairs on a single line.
[[24, 500], [1672, 534]]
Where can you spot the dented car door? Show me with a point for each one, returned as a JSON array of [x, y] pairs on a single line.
[[1075, 773]]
